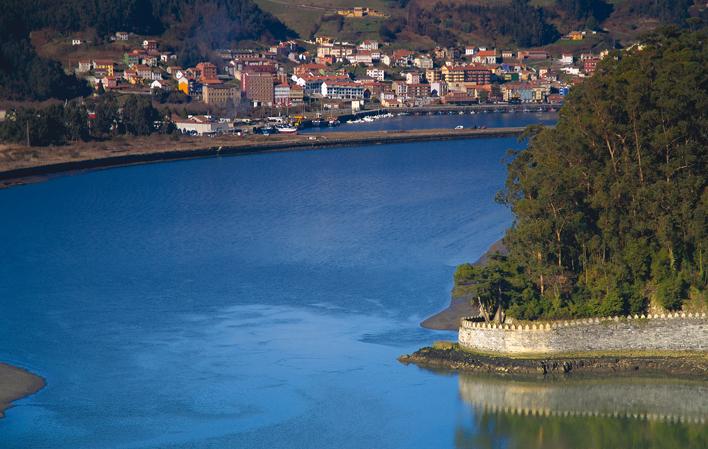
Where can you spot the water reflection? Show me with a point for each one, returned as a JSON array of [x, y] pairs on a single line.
[[583, 413]]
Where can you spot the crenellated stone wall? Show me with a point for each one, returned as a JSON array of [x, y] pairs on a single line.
[[671, 332]]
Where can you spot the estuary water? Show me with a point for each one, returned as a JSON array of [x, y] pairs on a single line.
[[262, 301], [449, 121]]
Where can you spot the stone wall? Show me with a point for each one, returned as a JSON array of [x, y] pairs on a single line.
[[672, 332]]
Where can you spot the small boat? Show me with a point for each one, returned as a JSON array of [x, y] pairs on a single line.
[[316, 122], [285, 129], [333, 122], [459, 127]]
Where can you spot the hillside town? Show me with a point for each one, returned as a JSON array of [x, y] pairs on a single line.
[[319, 81]]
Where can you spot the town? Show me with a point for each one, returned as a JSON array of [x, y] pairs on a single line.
[[314, 83]]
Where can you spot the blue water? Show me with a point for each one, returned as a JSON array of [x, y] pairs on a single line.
[[247, 302], [262, 301], [449, 121]]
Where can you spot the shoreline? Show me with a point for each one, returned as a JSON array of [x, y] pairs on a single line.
[[16, 383], [22, 165], [451, 357], [461, 306]]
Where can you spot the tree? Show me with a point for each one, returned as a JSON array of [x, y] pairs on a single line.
[[139, 115]]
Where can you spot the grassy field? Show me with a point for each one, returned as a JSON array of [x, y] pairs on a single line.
[[304, 15]]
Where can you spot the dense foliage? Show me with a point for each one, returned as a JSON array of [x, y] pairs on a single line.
[[194, 26], [611, 204], [96, 118], [521, 22]]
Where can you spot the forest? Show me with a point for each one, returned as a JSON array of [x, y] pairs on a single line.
[[194, 26], [611, 205]]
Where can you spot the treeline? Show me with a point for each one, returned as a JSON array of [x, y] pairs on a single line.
[[611, 206], [194, 27], [97, 118], [522, 23]]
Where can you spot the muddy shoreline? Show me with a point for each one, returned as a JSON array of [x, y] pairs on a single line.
[[16, 383], [454, 359]]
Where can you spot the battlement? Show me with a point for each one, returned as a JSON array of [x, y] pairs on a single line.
[[672, 331], [476, 323]]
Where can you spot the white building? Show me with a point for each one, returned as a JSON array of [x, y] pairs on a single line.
[[342, 90], [567, 58], [201, 125], [377, 74]]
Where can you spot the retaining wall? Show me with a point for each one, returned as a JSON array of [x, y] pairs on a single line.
[[671, 332]]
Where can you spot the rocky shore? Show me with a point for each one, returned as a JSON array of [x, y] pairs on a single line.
[[16, 383], [451, 357]]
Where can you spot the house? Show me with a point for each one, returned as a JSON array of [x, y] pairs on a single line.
[[590, 64], [121, 36], [470, 50], [150, 45], [76, 41], [533, 55], [109, 82], [156, 85], [507, 55], [485, 57], [423, 62], [567, 58], [377, 74], [575, 35], [368, 45], [361, 57], [412, 77], [104, 65], [205, 71], [311, 69], [84, 66]]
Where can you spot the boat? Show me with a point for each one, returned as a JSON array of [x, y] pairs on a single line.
[[333, 122], [316, 123], [286, 129], [459, 127]]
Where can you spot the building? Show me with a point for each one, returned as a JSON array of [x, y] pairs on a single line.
[[466, 74], [412, 77], [342, 90], [218, 94], [377, 74], [200, 125], [150, 45], [567, 58], [205, 71], [258, 87], [485, 57], [433, 75], [423, 62], [418, 90], [576, 35], [105, 66], [369, 45], [84, 66]]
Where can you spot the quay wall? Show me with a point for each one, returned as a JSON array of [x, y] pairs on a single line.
[[669, 332]]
